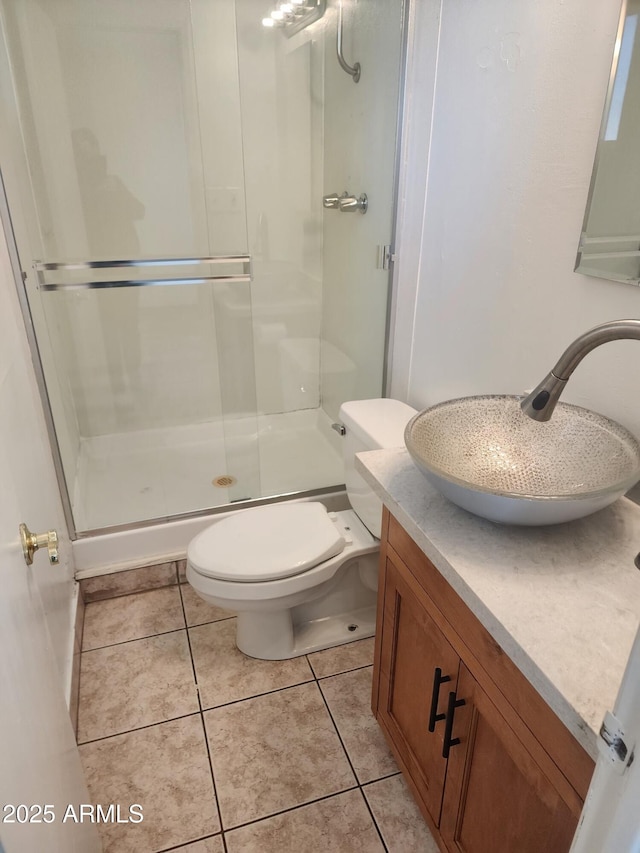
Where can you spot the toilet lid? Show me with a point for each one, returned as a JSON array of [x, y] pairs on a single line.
[[266, 543]]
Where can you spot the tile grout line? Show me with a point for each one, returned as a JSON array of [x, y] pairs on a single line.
[[189, 843], [213, 780], [193, 664], [259, 695], [184, 627], [138, 728], [360, 788], [124, 594], [342, 672], [204, 728], [270, 815], [281, 812], [279, 689], [134, 640], [157, 634], [292, 809]]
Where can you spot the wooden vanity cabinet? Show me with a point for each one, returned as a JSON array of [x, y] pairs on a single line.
[[514, 779], [414, 648]]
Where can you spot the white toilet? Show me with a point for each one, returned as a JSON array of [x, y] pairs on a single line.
[[301, 578]]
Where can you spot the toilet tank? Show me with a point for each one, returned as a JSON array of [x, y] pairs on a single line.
[[370, 425]]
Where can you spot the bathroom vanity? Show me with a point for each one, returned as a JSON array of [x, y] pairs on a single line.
[[498, 651]]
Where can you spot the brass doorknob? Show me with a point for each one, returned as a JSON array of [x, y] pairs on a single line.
[[32, 542]]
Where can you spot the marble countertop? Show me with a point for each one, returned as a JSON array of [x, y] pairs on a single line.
[[562, 601]]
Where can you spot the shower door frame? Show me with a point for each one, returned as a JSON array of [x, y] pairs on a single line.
[[20, 284], [36, 359]]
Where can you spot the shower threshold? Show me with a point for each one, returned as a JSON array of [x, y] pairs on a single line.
[[130, 477]]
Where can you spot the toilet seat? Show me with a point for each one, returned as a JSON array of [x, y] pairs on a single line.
[[267, 543]]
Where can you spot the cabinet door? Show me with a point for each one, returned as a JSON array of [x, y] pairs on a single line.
[[503, 794], [412, 649]]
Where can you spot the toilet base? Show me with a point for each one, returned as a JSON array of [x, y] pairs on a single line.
[[274, 636], [314, 610]]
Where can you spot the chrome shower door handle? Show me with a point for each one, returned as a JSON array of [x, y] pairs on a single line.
[[351, 204]]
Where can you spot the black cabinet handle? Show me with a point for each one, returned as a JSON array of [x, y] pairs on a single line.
[[434, 716], [448, 726]]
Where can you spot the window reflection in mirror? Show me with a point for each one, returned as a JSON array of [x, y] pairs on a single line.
[[610, 240]]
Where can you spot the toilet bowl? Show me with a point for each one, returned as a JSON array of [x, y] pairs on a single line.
[[300, 578]]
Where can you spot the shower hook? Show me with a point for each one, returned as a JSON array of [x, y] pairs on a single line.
[[354, 70]]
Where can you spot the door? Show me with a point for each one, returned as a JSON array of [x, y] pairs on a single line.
[[609, 821], [418, 669], [40, 764], [499, 798]]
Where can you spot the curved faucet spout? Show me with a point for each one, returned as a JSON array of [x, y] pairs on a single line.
[[541, 402]]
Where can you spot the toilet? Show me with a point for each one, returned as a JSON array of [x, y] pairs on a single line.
[[300, 578]]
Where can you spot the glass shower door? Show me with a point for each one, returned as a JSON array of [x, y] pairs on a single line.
[[126, 155], [320, 293], [170, 133]]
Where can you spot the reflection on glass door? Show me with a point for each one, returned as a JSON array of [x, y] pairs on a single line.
[[123, 163]]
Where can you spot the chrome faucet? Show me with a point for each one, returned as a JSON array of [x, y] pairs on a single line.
[[541, 402]]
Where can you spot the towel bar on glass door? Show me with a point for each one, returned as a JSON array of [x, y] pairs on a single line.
[[42, 267]]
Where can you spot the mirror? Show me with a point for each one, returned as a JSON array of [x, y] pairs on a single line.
[[610, 240]]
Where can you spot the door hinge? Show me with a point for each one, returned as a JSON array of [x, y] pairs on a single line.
[[614, 745], [385, 257]]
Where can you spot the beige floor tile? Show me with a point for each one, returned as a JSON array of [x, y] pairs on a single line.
[[340, 824], [342, 658], [133, 580], [166, 770], [135, 684], [225, 675], [131, 617], [198, 611], [207, 845], [274, 752], [398, 817], [349, 699], [182, 571]]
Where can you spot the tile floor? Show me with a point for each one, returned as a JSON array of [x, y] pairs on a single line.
[[227, 754]]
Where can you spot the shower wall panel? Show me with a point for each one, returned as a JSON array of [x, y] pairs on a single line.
[[282, 118], [359, 155], [138, 355], [215, 56], [133, 113]]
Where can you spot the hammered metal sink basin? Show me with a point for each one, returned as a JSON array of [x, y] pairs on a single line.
[[487, 456]]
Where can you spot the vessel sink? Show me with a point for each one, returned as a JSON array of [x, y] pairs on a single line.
[[487, 456]]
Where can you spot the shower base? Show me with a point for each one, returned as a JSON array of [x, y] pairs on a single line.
[[129, 477]]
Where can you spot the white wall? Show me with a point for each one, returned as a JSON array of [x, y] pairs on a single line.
[[494, 299]]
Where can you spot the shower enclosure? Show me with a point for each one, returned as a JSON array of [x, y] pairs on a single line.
[[199, 315]]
